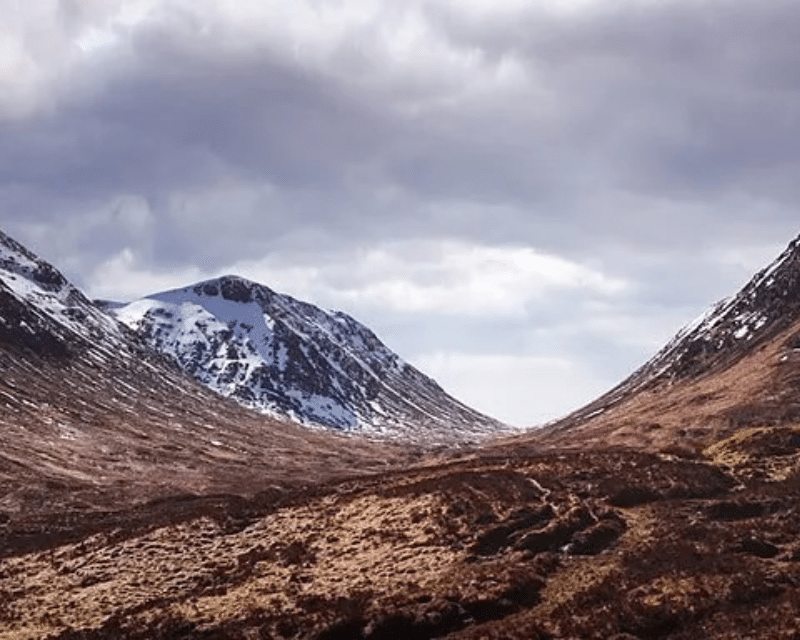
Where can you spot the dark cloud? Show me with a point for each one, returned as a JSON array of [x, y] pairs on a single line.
[[177, 120], [674, 101], [645, 141], [683, 99]]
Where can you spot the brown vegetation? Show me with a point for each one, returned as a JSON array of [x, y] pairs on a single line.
[[508, 545]]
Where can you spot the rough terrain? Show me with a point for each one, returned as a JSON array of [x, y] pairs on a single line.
[[514, 544], [135, 504]]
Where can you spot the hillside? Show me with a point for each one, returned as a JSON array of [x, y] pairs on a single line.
[[736, 367], [92, 417]]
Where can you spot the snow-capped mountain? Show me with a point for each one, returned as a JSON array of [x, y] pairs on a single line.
[[90, 416], [766, 305], [44, 311], [737, 359], [278, 355]]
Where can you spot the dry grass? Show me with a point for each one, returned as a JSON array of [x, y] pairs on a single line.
[[494, 547], [686, 415]]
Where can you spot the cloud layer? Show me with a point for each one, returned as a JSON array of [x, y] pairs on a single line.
[[531, 182]]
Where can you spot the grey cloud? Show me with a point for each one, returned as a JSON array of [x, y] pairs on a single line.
[[677, 98], [639, 137], [185, 125], [650, 101]]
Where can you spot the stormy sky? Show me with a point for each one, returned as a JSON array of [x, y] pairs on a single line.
[[525, 199]]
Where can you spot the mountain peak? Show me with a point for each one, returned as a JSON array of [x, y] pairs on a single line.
[[41, 309], [282, 356], [17, 260], [230, 287]]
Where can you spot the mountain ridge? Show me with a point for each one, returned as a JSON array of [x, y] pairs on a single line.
[[737, 359]]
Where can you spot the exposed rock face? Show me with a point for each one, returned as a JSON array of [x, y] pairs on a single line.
[[276, 354]]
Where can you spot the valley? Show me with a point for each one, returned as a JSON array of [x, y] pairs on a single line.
[[137, 503]]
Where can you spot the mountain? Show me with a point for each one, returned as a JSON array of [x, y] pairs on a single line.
[[736, 366], [135, 503], [42, 311], [91, 416], [284, 357]]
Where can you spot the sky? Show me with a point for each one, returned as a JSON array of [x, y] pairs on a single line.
[[524, 199]]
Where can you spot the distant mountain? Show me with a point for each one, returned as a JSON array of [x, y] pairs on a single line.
[[90, 416], [285, 357], [737, 365]]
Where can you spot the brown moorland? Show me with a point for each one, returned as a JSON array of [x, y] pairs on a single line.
[[517, 544]]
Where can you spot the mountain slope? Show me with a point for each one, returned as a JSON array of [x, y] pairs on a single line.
[[281, 356], [44, 312], [90, 416], [737, 366]]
